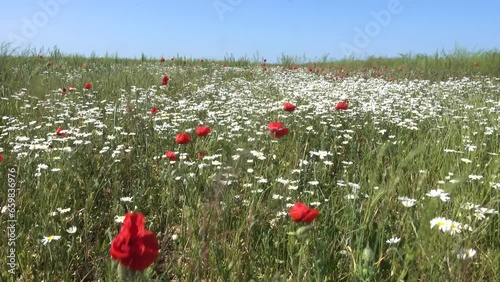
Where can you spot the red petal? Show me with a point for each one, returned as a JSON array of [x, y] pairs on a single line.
[[145, 252], [280, 133], [297, 211], [296, 215], [119, 247], [275, 125], [310, 216], [133, 223]]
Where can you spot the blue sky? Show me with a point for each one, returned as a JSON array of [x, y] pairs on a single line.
[[214, 28]]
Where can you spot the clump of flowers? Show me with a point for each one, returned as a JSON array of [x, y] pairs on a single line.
[[448, 226]]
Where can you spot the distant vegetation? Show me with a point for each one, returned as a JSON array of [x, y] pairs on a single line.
[[435, 67]]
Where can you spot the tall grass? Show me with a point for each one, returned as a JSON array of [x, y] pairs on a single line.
[[219, 221]]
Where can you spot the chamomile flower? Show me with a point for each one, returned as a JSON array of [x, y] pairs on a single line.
[[455, 227], [283, 181], [479, 215], [277, 197], [71, 230], [258, 155], [42, 166], [470, 148], [262, 180], [49, 239], [442, 223], [475, 177], [407, 202], [495, 186], [438, 193], [393, 240], [466, 254], [119, 219], [467, 161], [63, 211]]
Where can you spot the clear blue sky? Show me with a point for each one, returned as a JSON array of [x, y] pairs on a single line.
[[214, 28]]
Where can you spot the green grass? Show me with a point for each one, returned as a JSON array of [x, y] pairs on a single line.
[[226, 222]]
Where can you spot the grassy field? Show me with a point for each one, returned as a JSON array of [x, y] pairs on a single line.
[[406, 180]]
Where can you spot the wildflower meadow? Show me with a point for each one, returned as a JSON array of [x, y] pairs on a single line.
[[182, 169]]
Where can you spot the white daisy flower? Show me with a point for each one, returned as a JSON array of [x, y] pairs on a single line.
[[49, 239], [71, 230], [393, 240]]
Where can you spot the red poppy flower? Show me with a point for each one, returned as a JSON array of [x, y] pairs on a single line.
[[171, 155], [88, 85], [136, 247], [302, 213], [289, 107], [342, 105], [182, 138], [49, 63], [63, 90], [165, 80], [202, 131], [172, 59], [1, 158], [59, 132], [154, 110], [162, 60], [224, 65], [277, 129], [201, 60], [71, 87]]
